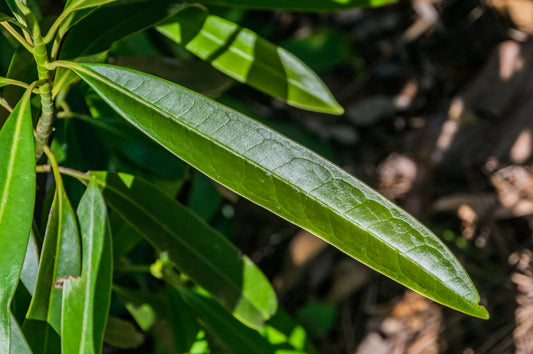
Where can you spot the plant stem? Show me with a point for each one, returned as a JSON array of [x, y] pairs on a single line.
[[17, 36], [80, 176], [6, 81], [5, 104], [44, 125]]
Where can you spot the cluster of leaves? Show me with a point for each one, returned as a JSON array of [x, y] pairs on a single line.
[[59, 267]]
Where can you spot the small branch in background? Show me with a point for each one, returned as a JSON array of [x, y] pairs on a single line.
[[5, 104], [17, 36]]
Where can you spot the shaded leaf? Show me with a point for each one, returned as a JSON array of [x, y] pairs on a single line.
[[86, 298], [98, 31], [289, 180], [122, 334], [60, 260], [248, 58], [199, 251], [285, 333], [17, 197], [182, 322], [28, 276], [94, 31], [236, 337]]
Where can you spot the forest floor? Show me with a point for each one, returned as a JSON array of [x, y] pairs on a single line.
[[439, 118]]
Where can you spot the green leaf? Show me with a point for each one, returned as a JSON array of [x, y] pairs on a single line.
[[86, 298], [199, 251], [4, 17], [28, 275], [16, 10], [236, 337], [98, 31], [289, 180], [299, 5], [248, 58], [17, 197], [19, 345], [94, 31], [60, 260], [182, 322], [284, 332], [82, 4], [122, 334]]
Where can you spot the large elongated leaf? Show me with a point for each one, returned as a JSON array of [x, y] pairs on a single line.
[[289, 180], [246, 57], [299, 5], [60, 260], [198, 250], [86, 298], [17, 194]]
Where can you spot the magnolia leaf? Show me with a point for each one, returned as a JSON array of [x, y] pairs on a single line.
[[17, 195], [248, 58], [287, 179], [86, 298]]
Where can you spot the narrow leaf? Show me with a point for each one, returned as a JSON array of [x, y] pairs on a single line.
[[86, 298], [60, 260], [28, 275], [299, 5], [17, 194], [19, 345], [82, 4], [122, 334], [236, 337], [94, 31], [182, 322], [199, 251], [289, 180], [106, 25], [248, 58]]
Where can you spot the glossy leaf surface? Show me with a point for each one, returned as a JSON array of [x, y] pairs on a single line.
[[199, 251], [299, 5], [17, 194], [248, 58], [289, 180], [86, 298], [60, 260]]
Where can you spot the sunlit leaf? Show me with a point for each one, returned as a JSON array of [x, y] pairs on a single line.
[[17, 195], [289, 180], [86, 298], [248, 58], [60, 260]]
